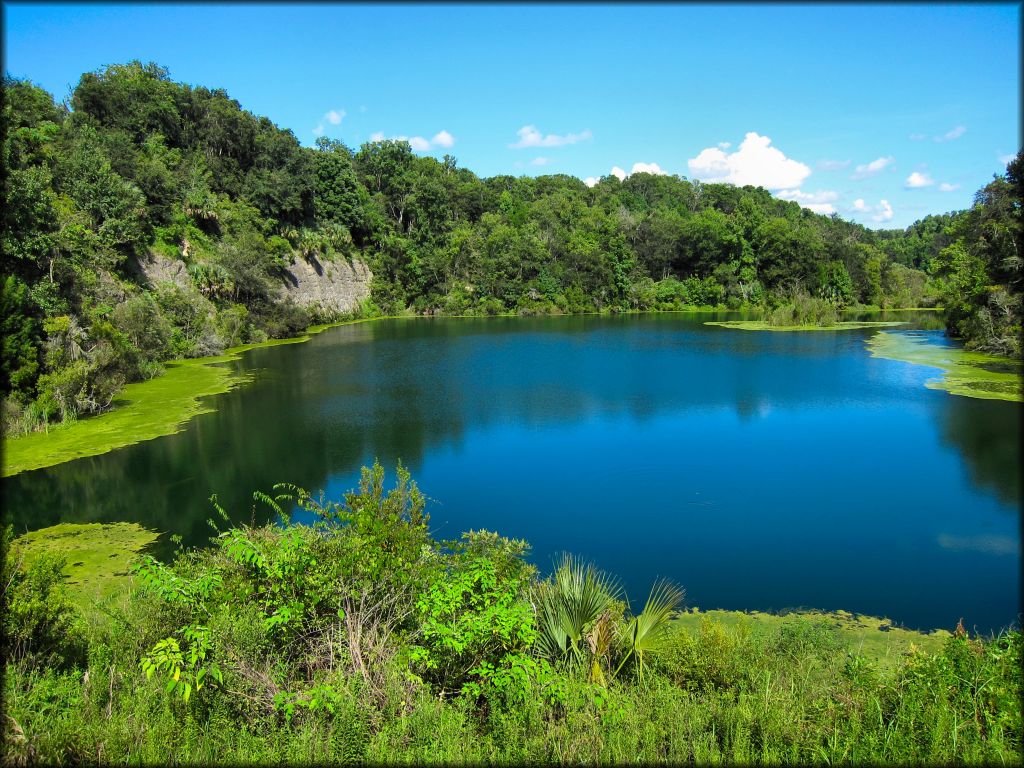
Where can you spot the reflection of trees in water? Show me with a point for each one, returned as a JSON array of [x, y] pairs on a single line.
[[395, 390], [987, 435]]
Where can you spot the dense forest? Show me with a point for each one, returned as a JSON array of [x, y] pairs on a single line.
[[135, 163], [361, 638]]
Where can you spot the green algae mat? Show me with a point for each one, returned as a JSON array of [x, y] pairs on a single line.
[[876, 639], [761, 325], [141, 411], [964, 372], [98, 555]]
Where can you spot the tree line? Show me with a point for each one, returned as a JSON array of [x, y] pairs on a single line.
[[135, 164]]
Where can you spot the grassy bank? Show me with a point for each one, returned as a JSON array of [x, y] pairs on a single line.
[[372, 642]]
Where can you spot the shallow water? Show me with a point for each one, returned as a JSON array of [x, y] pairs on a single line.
[[758, 470]]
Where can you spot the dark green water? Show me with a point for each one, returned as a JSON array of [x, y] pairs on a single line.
[[758, 470]]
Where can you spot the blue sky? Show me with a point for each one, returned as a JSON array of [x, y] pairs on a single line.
[[881, 113]]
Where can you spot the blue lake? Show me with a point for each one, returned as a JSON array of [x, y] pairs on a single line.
[[757, 470]]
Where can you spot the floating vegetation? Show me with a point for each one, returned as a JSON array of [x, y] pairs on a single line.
[[761, 325], [97, 555], [141, 411], [964, 372]]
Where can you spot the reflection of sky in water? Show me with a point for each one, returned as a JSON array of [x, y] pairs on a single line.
[[759, 470], [992, 545]]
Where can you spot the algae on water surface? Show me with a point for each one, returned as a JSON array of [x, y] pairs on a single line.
[[964, 372], [98, 555], [761, 325], [142, 411]]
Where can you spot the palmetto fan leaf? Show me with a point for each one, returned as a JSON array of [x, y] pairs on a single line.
[[645, 633], [576, 597]]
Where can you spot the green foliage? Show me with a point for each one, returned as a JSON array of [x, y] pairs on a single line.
[[360, 638], [645, 634], [39, 626], [147, 165]]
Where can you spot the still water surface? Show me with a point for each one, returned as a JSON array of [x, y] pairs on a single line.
[[758, 470]]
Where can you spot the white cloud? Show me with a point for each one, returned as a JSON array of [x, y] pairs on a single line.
[[821, 196], [529, 136], [826, 208], [619, 173], [724, 144], [917, 137], [418, 143], [443, 139], [918, 180], [591, 181], [1005, 159], [956, 133], [755, 163], [947, 187], [874, 167], [881, 212], [819, 202], [648, 168], [540, 161], [833, 165], [331, 117]]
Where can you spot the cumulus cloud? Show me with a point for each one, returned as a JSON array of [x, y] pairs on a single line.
[[956, 133], [819, 202], [648, 168], [833, 165], [443, 139], [881, 212], [418, 143], [331, 117], [821, 196], [591, 181], [918, 180], [724, 144], [540, 161], [756, 162], [947, 187], [619, 173], [871, 169], [529, 136]]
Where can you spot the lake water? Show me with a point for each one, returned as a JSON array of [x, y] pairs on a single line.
[[757, 470]]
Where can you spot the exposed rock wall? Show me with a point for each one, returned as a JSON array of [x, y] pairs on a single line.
[[156, 269], [337, 286]]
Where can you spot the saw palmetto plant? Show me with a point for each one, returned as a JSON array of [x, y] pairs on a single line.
[[646, 632]]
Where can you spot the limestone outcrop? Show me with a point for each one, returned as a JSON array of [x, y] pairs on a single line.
[[336, 286]]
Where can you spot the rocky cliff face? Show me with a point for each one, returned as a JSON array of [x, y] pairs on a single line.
[[156, 269], [337, 286]]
